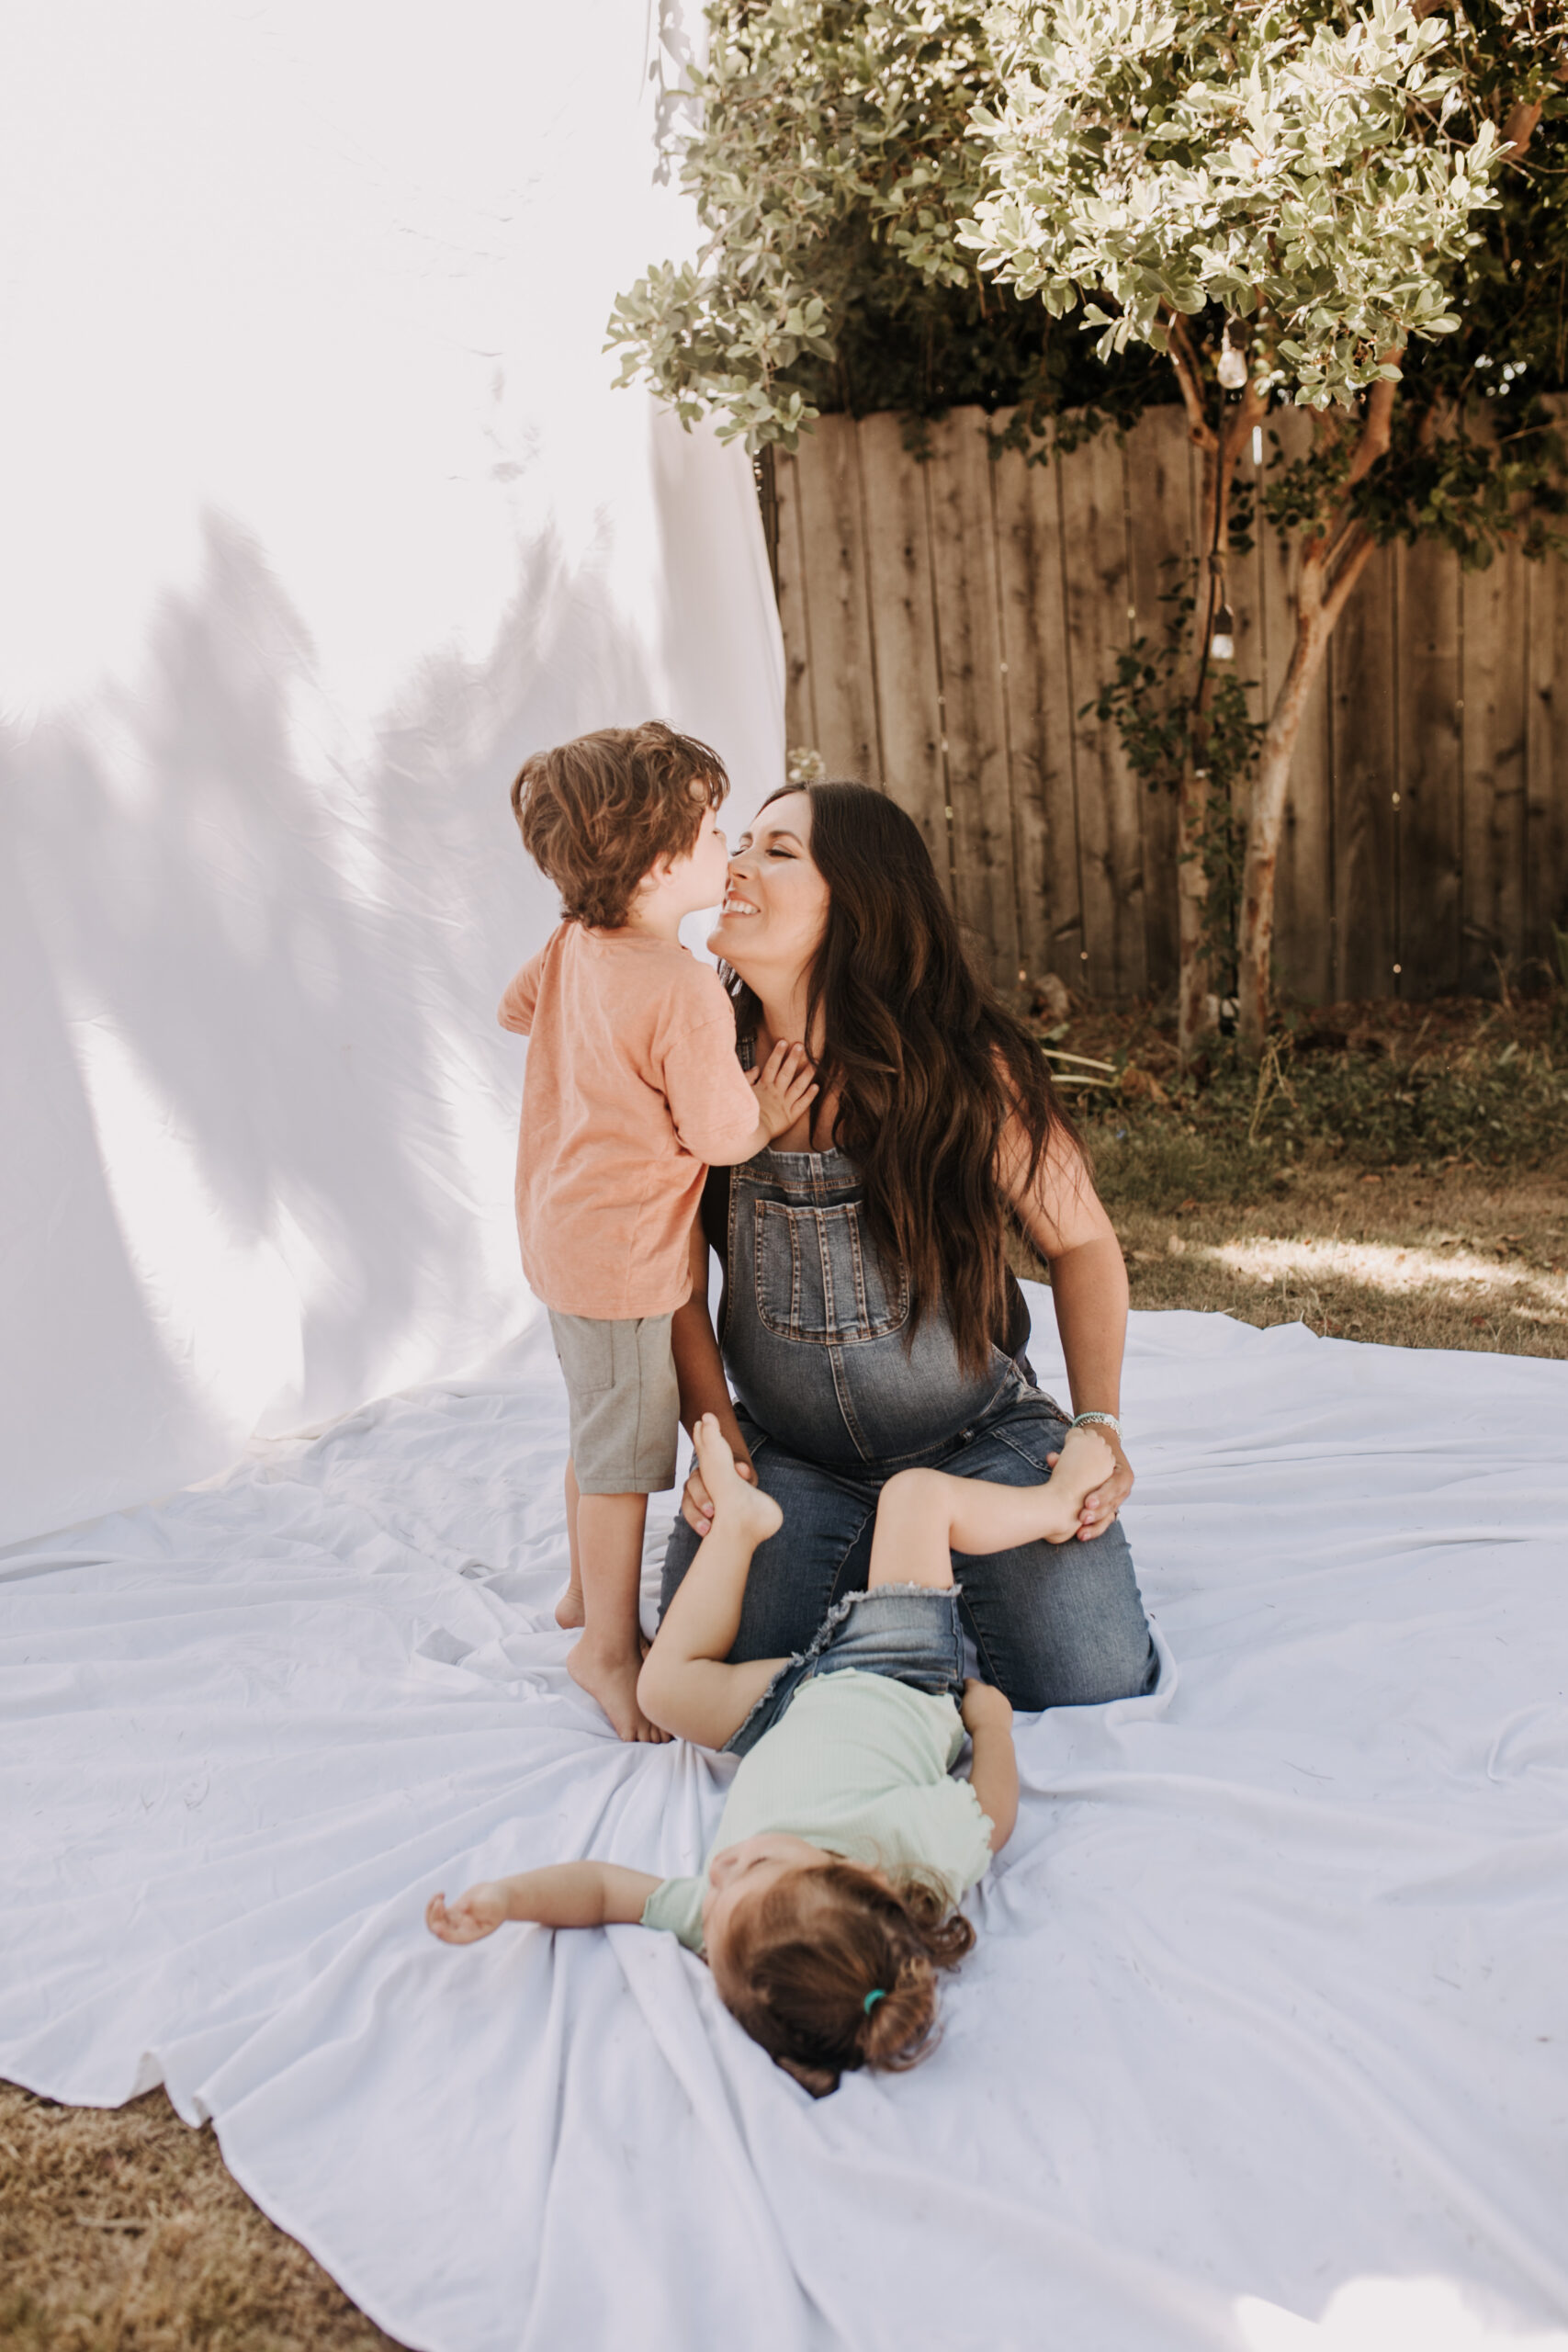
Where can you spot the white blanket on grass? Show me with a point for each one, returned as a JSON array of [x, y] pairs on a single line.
[[1262, 2046]]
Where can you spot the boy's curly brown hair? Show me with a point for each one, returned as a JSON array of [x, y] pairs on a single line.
[[803, 1961], [598, 812]]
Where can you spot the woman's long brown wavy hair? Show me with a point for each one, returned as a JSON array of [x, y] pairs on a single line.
[[929, 1063]]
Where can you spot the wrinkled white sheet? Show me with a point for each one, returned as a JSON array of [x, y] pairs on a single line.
[[319, 510], [1263, 2044]]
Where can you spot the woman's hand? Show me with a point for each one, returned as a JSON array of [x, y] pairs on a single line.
[[697, 1504], [1101, 1503]]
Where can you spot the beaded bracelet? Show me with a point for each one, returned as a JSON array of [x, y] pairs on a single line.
[[1079, 1419]]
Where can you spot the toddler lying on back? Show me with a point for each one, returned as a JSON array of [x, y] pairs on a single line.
[[829, 1902]]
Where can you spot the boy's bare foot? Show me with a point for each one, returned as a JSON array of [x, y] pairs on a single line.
[[744, 1508], [610, 1677], [568, 1608]]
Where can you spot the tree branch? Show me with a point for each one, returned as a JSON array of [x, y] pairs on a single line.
[[1350, 560], [1184, 359], [1376, 426]]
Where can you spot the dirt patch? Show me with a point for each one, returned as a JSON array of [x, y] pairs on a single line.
[[122, 2231]]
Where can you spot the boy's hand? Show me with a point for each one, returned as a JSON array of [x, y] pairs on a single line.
[[785, 1085], [983, 1703], [478, 1912]]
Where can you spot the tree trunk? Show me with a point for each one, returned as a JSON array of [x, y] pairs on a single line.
[[1318, 608], [1193, 1020], [1194, 986], [1265, 823]]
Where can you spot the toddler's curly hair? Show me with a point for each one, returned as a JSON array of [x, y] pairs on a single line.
[[598, 812], [832, 1969]]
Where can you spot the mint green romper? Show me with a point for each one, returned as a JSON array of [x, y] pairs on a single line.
[[860, 1766]]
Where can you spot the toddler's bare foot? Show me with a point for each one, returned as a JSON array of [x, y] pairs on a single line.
[[610, 1676], [1083, 1461], [746, 1508], [568, 1608]]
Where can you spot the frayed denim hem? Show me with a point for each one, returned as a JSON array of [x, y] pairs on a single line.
[[774, 1702]]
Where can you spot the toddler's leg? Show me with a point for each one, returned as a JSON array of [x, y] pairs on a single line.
[[606, 1661], [568, 1608], [686, 1684], [923, 1516]]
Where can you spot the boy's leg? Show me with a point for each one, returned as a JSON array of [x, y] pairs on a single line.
[[686, 1684], [620, 1390], [568, 1608], [923, 1516], [606, 1660]]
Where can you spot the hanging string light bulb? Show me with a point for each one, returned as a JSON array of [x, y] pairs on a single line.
[[1222, 644], [1232, 370]]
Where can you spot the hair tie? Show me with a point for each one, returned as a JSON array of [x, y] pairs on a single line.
[[877, 1993]]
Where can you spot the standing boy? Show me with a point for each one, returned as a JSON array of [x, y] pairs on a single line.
[[632, 1091]]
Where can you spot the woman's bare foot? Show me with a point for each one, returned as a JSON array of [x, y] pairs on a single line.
[[746, 1508], [568, 1608], [610, 1677]]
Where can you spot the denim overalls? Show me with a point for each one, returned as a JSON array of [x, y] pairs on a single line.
[[833, 1397]]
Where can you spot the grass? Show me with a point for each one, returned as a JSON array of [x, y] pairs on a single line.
[[1398, 1174], [122, 2231], [1392, 1174]]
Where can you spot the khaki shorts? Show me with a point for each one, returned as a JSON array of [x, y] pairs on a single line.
[[625, 1407]]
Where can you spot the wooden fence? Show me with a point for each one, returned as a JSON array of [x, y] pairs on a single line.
[[946, 622]]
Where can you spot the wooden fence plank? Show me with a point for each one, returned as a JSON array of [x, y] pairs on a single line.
[[795, 613], [1162, 545], [981, 606], [1494, 705], [844, 686], [968, 625], [1094, 550], [1303, 906], [1546, 816], [1362, 697], [1039, 707], [1428, 776], [897, 552]]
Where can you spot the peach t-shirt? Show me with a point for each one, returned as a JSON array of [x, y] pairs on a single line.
[[632, 1088]]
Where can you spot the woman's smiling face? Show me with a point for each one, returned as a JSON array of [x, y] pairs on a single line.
[[775, 906]]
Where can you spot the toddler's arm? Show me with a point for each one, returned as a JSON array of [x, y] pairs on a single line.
[[993, 1775], [566, 1895]]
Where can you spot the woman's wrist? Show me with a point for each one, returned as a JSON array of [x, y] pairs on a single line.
[[1097, 1419]]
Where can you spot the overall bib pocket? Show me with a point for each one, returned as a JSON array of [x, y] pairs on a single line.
[[818, 1279]]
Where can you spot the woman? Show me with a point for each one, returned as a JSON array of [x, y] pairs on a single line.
[[869, 1322]]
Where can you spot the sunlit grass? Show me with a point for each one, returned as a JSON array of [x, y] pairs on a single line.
[[1460, 1275]]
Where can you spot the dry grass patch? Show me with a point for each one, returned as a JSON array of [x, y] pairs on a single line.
[[1407, 1262], [1393, 1173], [122, 2231]]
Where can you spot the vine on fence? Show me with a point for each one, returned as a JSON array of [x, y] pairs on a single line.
[[1149, 701]]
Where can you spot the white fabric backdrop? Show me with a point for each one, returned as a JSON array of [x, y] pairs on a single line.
[[317, 510], [1262, 2049]]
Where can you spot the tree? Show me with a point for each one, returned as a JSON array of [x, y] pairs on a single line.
[[1351, 208]]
